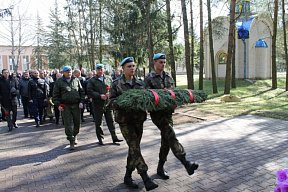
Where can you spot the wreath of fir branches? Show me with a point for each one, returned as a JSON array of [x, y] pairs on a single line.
[[142, 100]]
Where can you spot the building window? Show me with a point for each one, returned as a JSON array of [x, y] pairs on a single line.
[[1, 63], [25, 62], [222, 59], [11, 64]]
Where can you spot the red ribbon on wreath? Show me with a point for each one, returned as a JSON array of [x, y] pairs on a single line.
[[191, 95], [155, 96], [172, 93], [7, 113]]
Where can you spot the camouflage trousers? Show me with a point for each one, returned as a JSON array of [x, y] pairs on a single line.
[[72, 120], [164, 122], [133, 134]]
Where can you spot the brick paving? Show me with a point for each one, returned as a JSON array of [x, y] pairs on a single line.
[[240, 154]]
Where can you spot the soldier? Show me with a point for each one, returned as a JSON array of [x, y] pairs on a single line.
[[68, 95], [159, 79], [37, 95], [97, 90], [131, 125]]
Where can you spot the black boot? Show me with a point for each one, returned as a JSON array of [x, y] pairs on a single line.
[[149, 184], [128, 179], [161, 171], [72, 143], [190, 167]]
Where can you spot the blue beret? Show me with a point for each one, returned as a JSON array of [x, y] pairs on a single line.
[[66, 68], [99, 66], [159, 56], [127, 60]]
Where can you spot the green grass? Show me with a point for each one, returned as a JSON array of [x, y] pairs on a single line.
[[256, 99]]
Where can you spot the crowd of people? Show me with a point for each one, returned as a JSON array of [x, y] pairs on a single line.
[[67, 93]]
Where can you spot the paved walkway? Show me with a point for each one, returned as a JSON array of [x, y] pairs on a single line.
[[237, 154]]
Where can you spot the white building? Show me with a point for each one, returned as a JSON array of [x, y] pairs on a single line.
[[253, 46]]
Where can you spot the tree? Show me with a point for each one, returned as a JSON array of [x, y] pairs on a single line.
[[39, 51], [230, 47], [57, 42], [149, 35], [201, 69], [214, 83], [192, 44], [274, 36], [16, 33], [285, 42], [187, 44], [170, 39]]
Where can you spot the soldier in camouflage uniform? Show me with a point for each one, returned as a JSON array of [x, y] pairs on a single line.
[[131, 125], [159, 79], [68, 95], [97, 90]]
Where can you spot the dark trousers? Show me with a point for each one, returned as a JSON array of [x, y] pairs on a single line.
[[11, 120], [36, 109], [108, 114], [91, 107], [57, 113], [25, 103]]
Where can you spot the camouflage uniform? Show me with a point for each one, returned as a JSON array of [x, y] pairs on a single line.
[[70, 94], [95, 88], [131, 123], [163, 119]]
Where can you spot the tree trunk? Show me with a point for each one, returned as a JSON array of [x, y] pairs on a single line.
[[149, 34], [230, 47], [201, 67], [101, 29], [214, 83], [192, 45], [285, 42], [233, 79], [170, 38], [274, 66], [92, 40], [187, 45]]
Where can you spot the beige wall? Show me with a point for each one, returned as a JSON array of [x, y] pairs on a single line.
[[26, 52]]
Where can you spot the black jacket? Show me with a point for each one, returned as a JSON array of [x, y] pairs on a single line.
[[8, 92], [37, 88]]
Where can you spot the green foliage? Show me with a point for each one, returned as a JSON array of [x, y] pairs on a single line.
[[56, 42], [140, 99]]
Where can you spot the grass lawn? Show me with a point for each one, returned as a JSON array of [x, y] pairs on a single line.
[[256, 99]]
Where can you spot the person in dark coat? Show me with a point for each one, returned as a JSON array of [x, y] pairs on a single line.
[[23, 90], [56, 110], [37, 95], [9, 89]]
